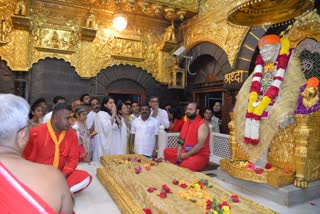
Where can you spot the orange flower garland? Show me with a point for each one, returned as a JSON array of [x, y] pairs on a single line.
[[257, 107]]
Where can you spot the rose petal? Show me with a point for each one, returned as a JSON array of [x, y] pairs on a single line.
[[138, 169], [147, 211], [235, 198], [151, 189], [163, 195], [259, 171], [175, 182], [268, 166], [183, 185], [250, 166], [286, 170], [152, 163], [166, 188]]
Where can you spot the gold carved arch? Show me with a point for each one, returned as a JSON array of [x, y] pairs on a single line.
[[211, 26]]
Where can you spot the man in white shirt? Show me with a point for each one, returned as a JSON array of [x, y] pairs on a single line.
[[135, 108], [56, 100], [91, 117], [144, 134], [158, 113]]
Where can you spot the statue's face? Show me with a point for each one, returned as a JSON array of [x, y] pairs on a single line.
[[270, 52]]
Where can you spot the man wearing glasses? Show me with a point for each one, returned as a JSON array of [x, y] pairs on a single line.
[[158, 113]]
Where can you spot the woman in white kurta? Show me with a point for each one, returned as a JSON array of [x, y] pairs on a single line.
[[122, 132], [109, 128]]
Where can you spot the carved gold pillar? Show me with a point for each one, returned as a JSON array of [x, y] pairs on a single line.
[[301, 134], [20, 51], [232, 139]]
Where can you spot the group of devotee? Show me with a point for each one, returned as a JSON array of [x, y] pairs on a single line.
[[33, 138]]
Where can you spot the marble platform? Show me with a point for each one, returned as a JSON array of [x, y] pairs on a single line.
[[287, 196]]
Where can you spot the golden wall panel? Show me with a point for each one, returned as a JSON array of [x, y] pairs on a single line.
[[211, 26], [137, 45], [6, 37], [20, 51]]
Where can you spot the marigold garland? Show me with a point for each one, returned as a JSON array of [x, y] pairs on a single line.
[[255, 108]]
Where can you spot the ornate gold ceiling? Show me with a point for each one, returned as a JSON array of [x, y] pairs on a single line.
[[266, 12], [162, 9]]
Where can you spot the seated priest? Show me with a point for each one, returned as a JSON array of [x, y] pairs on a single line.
[[193, 150], [26, 187], [268, 98], [55, 143]]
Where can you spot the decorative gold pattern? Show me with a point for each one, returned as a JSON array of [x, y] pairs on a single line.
[[276, 177], [127, 49], [258, 13], [307, 25], [149, 8], [21, 8], [281, 153], [57, 26], [6, 10], [212, 27], [307, 151]]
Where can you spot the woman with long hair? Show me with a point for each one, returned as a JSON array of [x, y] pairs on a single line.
[[110, 131]]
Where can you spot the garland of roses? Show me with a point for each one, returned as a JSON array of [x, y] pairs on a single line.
[[255, 110]]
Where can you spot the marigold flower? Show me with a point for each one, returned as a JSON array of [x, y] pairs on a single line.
[[226, 209], [147, 167]]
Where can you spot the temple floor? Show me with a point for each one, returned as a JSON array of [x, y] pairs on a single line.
[[95, 199]]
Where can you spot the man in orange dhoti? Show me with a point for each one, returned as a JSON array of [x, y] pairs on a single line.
[[26, 187], [193, 151], [55, 143]]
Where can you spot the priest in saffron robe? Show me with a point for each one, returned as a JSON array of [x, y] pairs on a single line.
[[55, 143], [193, 150], [26, 187]]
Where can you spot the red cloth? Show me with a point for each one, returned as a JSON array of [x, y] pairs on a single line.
[[189, 133], [177, 126], [41, 149], [18, 198]]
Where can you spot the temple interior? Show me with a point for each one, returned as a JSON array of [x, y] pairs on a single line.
[[180, 51]]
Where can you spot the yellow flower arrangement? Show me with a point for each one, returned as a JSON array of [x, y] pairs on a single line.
[[285, 46], [262, 106], [252, 98]]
